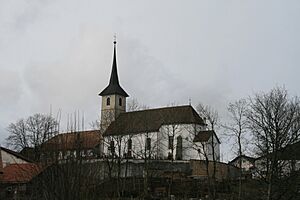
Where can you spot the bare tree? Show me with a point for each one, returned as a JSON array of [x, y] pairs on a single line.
[[18, 138], [274, 121], [172, 134], [72, 171], [64, 171], [120, 148], [211, 115], [145, 149], [237, 128], [135, 105], [31, 132]]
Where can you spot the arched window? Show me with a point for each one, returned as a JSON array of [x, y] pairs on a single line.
[[129, 148], [148, 143], [130, 144], [120, 101], [108, 101], [171, 139], [179, 148], [112, 147]]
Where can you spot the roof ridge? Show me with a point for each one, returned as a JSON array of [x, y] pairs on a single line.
[[16, 154], [78, 132], [161, 108]]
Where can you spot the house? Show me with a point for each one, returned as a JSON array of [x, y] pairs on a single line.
[[247, 165], [16, 172], [288, 160], [66, 145], [8, 157], [176, 133], [246, 161]]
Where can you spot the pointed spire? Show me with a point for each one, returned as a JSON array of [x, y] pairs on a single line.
[[114, 85], [114, 79]]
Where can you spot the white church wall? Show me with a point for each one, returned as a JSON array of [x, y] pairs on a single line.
[[185, 131], [160, 148], [138, 145]]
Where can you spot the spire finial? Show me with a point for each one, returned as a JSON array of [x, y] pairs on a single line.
[[115, 38]]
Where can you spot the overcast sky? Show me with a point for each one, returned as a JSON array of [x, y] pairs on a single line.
[[59, 53]]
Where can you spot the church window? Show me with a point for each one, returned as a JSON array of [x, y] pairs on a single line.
[[129, 144], [108, 101], [148, 143], [120, 101], [179, 148], [171, 139], [112, 147]]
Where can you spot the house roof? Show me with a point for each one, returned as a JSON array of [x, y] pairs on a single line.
[[18, 155], [203, 136], [250, 159], [290, 152], [20, 173], [152, 119], [28, 152], [114, 86], [69, 141]]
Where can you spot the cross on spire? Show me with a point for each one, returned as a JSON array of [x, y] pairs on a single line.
[[115, 38]]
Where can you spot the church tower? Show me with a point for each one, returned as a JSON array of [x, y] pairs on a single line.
[[113, 97]]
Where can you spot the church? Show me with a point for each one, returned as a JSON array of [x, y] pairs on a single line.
[[167, 133]]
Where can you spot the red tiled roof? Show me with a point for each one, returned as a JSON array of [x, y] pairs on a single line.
[[74, 140], [20, 173]]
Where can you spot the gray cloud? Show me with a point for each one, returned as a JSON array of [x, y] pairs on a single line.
[[10, 87]]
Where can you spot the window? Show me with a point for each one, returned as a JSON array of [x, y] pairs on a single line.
[[148, 143], [171, 139], [120, 101], [129, 148], [129, 144], [179, 148], [108, 101], [112, 147]]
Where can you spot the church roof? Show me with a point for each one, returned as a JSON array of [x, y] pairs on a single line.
[[203, 136], [152, 119], [114, 85]]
